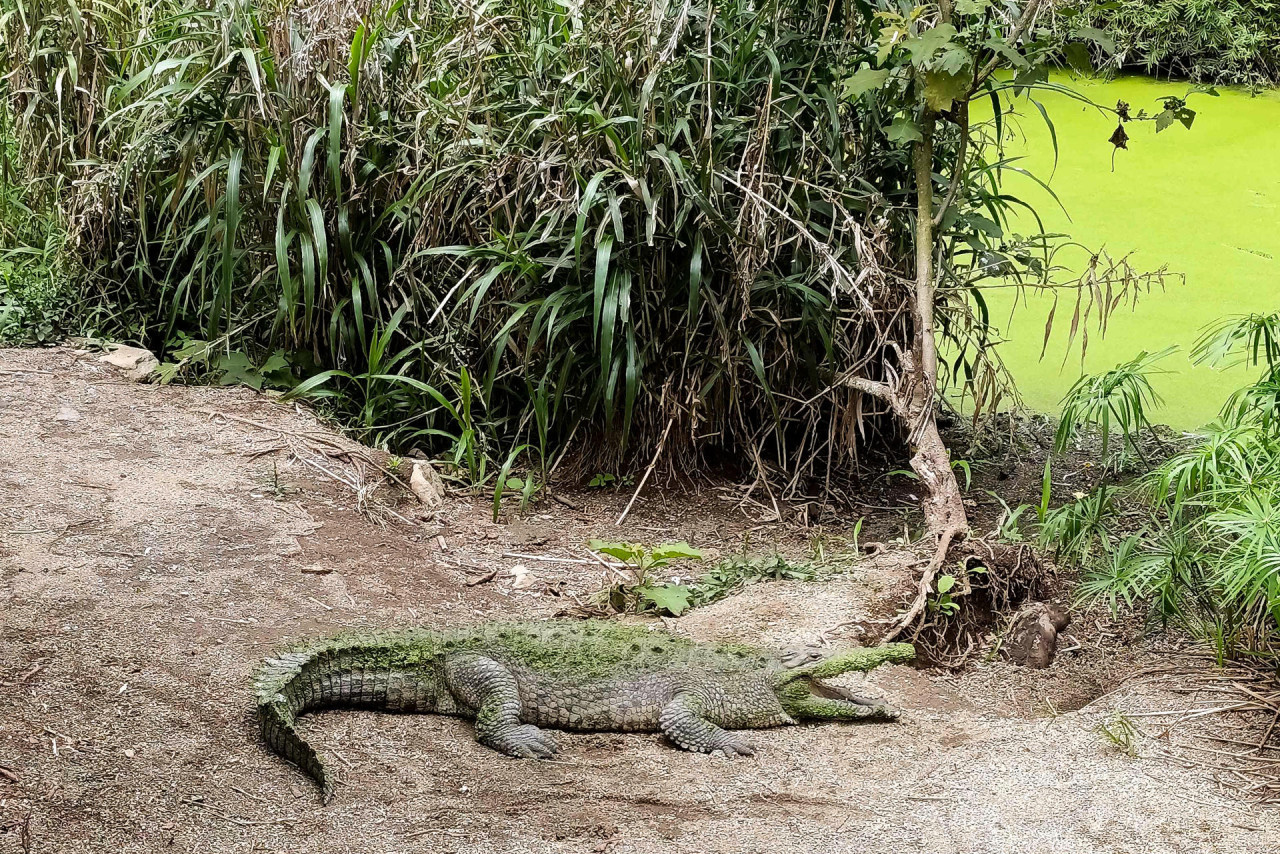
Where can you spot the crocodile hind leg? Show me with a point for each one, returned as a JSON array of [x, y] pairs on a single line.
[[683, 720], [486, 686]]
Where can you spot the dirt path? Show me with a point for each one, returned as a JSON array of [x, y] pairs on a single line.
[[152, 553]]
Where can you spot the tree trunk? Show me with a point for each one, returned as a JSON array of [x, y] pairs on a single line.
[[943, 503], [916, 396], [931, 461]]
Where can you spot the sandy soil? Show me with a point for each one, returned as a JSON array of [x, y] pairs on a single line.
[[156, 543]]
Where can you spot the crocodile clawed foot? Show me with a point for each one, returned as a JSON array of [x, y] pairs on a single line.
[[885, 713], [731, 748], [528, 742]]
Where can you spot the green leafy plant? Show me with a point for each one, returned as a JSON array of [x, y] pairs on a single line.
[[1076, 529], [210, 361], [949, 588], [941, 602], [731, 574], [278, 488], [1135, 570], [643, 591], [1206, 555], [827, 548], [236, 368], [526, 487], [602, 479], [1046, 491], [35, 300], [1251, 341], [1008, 528]]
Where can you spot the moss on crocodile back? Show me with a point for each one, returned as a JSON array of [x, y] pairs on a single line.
[[596, 650], [584, 649]]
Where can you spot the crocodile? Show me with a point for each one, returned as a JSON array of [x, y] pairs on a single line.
[[514, 678]]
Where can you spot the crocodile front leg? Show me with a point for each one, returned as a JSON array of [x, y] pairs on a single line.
[[487, 688], [683, 720]]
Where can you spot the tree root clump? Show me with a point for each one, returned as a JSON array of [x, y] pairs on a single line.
[[977, 586]]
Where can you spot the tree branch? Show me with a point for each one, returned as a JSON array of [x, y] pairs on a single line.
[[1019, 30], [875, 389]]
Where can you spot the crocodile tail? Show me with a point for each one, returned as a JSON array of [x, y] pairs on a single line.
[[282, 696], [396, 673], [277, 719]]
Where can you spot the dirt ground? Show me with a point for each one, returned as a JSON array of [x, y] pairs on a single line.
[[157, 542]]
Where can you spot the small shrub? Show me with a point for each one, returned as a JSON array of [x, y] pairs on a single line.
[[35, 303], [643, 591], [1078, 527], [735, 572]]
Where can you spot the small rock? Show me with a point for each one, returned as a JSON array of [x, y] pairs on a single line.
[[136, 362], [129, 753], [66, 413], [426, 484], [525, 533], [523, 578], [1032, 639]]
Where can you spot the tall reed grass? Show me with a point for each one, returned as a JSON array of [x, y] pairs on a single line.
[[583, 223]]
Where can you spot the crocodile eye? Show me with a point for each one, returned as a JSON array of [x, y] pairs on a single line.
[[635, 647]]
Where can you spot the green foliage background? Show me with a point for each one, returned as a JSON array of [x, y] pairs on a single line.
[[1207, 41], [487, 226]]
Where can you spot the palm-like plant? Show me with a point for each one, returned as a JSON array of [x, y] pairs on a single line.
[[1209, 556], [1119, 399]]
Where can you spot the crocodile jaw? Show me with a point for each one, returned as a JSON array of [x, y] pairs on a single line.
[[806, 695]]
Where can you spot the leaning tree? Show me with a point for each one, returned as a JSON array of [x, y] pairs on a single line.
[[946, 80]]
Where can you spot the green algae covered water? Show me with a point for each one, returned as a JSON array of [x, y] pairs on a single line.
[[1204, 202]]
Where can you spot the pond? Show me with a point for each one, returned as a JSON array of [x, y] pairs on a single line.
[[1205, 202]]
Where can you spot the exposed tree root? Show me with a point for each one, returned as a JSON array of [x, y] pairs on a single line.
[[925, 586]]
